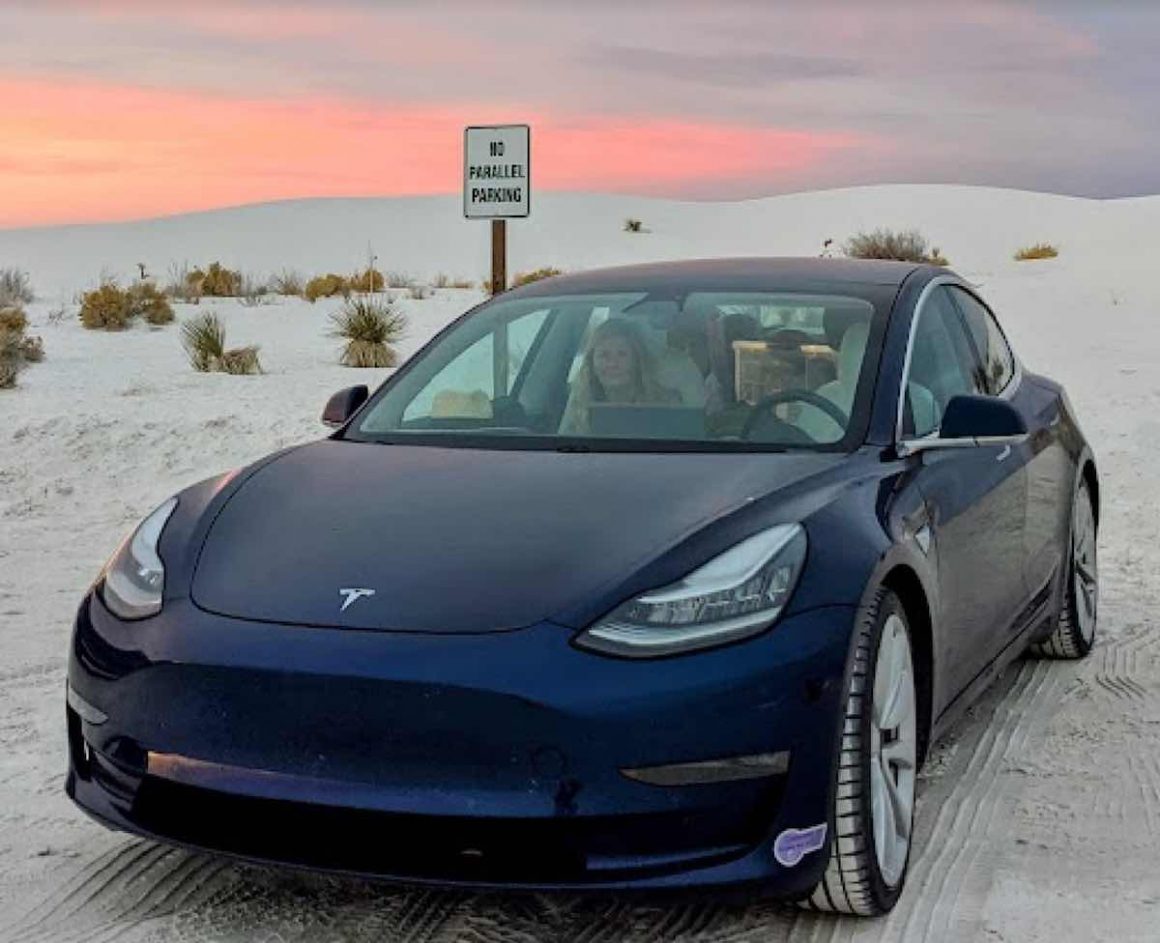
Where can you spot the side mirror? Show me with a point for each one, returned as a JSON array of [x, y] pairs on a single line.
[[981, 417], [344, 404], [971, 421]]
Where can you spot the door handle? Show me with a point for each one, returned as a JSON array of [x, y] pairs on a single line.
[[1003, 453]]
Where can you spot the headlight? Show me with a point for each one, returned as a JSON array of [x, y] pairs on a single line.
[[135, 576], [737, 594]]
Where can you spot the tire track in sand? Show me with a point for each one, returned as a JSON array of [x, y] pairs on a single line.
[[973, 798]]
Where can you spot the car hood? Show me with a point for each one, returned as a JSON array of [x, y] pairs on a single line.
[[460, 540]]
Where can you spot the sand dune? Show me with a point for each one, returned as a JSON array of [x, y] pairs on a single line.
[[1039, 816]]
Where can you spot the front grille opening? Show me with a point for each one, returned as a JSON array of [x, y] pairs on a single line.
[[564, 849]]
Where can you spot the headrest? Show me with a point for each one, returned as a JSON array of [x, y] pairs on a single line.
[[852, 352]]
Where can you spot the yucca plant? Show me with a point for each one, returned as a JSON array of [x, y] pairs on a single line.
[[370, 327], [204, 340]]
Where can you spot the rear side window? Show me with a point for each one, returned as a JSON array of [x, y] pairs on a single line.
[[998, 362], [942, 365]]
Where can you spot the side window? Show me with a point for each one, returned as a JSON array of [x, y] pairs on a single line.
[[466, 387], [942, 365], [998, 363]]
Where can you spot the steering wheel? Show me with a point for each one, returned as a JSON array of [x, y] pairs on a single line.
[[762, 412]]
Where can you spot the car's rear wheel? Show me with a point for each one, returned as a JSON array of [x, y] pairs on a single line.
[[873, 813], [1075, 629]]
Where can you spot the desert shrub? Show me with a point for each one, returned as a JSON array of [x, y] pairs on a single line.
[[181, 285], [368, 280], [1041, 250], [16, 349], [15, 288], [112, 308], [526, 278], [146, 301], [326, 286], [252, 291], [107, 307], [32, 349], [399, 280], [370, 327], [13, 319], [633, 225], [908, 245], [418, 292], [287, 282], [240, 361], [216, 281], [462, 283], [441, 280]]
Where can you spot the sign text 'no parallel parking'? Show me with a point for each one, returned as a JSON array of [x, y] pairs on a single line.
[[496, 172]]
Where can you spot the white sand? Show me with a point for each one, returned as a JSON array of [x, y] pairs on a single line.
[[1040, 815]]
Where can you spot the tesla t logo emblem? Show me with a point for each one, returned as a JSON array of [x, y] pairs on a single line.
[[351, 596]]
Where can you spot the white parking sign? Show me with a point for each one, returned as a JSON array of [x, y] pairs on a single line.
[[496, 173]]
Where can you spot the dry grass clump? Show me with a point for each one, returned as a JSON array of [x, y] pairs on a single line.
[[908, 245], [146, 301], [253, 291], [287, 282], [526, 278], [418, 292], [370, 327], [399, 280], [443, 280], [326, 286], [1041, 250], [112, 308], [368, 280], [13, 320], [16, 349], [106, 308], [204, 340], [181, 287], [216, 281], [15, 288]]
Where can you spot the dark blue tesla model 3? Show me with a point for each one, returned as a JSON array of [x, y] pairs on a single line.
[[646, 577]]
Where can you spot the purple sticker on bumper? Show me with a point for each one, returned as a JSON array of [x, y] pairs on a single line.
[[795, 843]]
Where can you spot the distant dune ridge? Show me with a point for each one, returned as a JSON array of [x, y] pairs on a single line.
[[976, 228]]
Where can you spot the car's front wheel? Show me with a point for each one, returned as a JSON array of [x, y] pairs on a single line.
[[873, 813]]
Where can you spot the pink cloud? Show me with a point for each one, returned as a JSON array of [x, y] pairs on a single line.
[[83, 152]]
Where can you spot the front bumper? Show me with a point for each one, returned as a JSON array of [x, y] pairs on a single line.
[[490, 760]]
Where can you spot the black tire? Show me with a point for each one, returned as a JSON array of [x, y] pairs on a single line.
[[853, 882], [1068, 640]]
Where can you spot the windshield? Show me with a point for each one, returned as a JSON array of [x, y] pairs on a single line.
[[706, 370]]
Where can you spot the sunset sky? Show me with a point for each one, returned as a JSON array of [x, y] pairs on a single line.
[[120, 110]]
